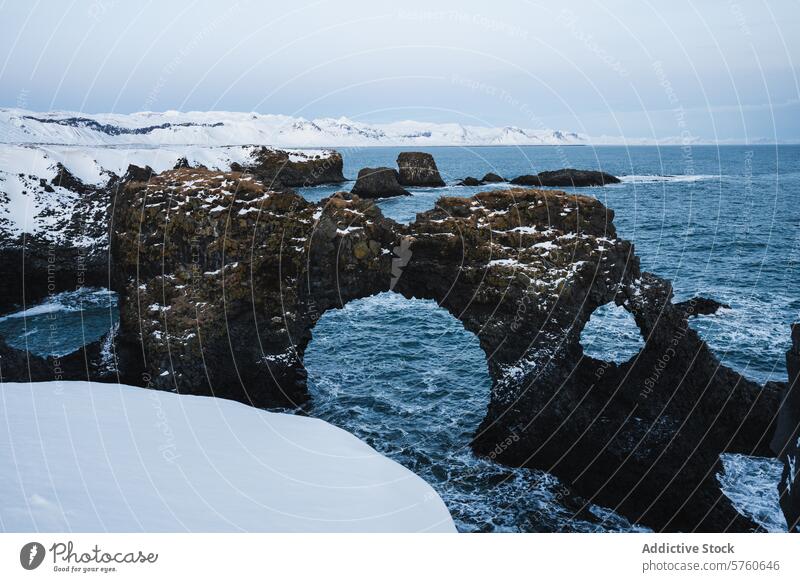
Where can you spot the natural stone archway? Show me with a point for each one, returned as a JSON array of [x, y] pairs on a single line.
[[221, 281]]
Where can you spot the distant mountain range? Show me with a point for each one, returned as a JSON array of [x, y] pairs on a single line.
[[225, 128]]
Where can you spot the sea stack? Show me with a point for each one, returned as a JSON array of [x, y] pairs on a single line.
[[378, 183], [418, 169]]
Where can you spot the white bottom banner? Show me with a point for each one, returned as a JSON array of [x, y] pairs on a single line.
[[373, 557]]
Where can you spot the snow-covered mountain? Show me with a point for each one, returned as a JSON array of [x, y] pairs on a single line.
[[226, 128]]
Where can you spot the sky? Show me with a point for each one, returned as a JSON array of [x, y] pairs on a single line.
[[715, 70]]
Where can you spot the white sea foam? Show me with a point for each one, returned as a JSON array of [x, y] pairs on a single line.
[[38, 310], [78, 300], [650, 179], [751, 485]]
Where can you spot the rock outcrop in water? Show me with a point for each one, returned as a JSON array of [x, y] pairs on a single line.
[[489, 178], [418, 169], [469, 181], [221, 281], [701, 306], [568, 177], [378, 183]]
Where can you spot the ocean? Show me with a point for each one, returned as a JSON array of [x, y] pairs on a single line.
[[404, 375]]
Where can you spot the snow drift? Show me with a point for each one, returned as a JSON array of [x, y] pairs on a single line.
[[77, 456]]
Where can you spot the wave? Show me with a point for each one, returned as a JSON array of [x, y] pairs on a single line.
[[751, 485], [654, 178], [68, 301], [42, 309]]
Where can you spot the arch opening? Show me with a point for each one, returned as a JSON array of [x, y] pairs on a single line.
[[611, 335], [405, 376]]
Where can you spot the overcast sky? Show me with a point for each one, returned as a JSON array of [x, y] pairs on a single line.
[[712, 69]]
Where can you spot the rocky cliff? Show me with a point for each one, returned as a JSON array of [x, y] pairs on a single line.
[[56, 204]]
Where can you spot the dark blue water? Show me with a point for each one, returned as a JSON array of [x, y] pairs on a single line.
[[407, 378]]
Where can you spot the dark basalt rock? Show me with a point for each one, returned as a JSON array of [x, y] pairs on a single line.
[[566, 177], [701, 306], [418, 169], [489, 178], [93, 362], [378, 183], [136, 173], [492, 178], [110, 129], [786, 441], [470, 181], [65, 179], [221, 292]]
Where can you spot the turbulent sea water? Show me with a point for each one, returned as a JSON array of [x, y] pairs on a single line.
[[407, 378]]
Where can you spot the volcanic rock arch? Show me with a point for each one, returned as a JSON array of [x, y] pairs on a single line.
[[222, 280]]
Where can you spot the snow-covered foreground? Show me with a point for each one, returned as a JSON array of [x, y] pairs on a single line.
[[76, 456]]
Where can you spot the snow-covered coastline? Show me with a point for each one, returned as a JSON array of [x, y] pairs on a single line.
[[234, 128], [34, 201], [78, 456], [225, 128]]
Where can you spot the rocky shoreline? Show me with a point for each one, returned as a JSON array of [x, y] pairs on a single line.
[[564, 178], [222, 275]]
